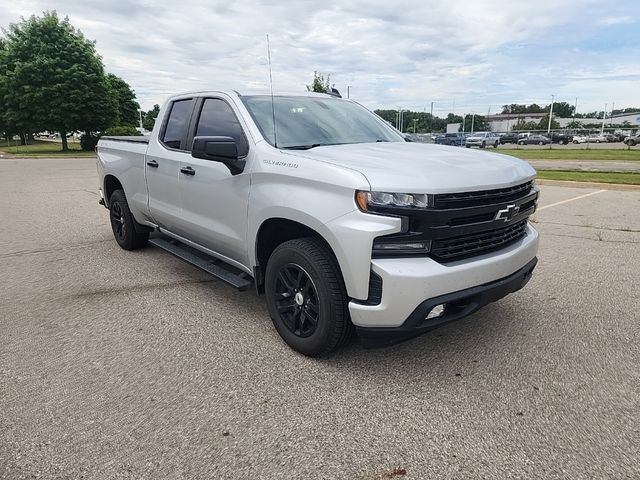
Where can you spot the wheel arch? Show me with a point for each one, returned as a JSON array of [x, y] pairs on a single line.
[[273, 232], [111, 184]]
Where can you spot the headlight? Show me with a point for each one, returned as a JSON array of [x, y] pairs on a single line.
[[387, 199]]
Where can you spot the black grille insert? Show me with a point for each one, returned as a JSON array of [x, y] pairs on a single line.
[[478, 243], [447, 201]]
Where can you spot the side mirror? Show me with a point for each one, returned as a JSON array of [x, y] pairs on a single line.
[[218, 149]]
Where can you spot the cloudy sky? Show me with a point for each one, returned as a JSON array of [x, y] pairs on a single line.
[[466, 56]]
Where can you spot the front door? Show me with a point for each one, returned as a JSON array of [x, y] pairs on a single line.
[[214, 202]]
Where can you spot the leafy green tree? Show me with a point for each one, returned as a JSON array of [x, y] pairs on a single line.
[[149, 118], [124, 100], [521, 125], [543, 124], [53, 78], [562, 109], [478, 122], [319, 84]]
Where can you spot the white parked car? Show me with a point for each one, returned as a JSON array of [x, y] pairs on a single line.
[[482, 139], [597, 138], [579, 139]]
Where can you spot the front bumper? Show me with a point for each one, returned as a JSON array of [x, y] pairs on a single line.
[[458, 305], [408, 282]]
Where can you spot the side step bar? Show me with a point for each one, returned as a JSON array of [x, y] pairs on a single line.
[[212, 266]]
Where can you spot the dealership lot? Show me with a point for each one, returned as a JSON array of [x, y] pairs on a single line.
[[119, 364]]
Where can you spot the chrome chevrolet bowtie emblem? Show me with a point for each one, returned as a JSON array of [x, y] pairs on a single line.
[[507, 213]]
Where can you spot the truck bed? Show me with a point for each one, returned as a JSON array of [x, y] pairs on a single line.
[[134, 139]]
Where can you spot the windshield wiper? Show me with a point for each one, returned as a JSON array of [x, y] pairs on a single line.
[[303, 147]]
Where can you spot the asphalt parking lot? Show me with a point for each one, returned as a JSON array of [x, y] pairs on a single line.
[[134, 365]]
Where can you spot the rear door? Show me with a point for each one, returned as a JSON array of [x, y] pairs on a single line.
[[214, 202], [162, 169]]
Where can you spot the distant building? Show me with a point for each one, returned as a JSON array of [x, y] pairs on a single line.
[[504, 122]]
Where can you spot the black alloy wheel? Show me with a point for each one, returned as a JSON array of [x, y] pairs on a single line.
[[296, 298], [126, 231], [117, 221]]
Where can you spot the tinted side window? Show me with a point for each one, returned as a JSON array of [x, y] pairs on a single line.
[[178, 122], [218, 120]]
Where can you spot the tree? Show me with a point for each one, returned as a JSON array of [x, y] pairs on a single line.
[[124, 100], [149, 118], [562, 109], [53, 79], [543, 124], [319, 84], [478, 122], [521, 125]]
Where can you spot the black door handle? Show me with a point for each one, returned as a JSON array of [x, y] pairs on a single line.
[[152, 163], [188, 171]]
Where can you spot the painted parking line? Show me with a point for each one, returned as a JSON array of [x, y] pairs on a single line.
[[572, 199]]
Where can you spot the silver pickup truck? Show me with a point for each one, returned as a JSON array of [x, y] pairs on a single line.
[[326, 210]]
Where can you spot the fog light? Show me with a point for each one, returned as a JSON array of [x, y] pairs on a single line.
[[436, 311]]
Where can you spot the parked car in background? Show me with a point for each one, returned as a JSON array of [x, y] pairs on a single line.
[[508, 138], [633, 140], [482, 140], [596, 138], [560, 138], [534, 140], [455, 139], [579, 139]]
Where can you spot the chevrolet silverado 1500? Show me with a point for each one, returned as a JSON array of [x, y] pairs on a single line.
[[326, 210]]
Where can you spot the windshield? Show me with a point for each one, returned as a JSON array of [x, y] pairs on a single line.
[[307, 122]]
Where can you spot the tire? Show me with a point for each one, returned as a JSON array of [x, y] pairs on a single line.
[[520, 143], [303, 280], [123, 224], [540, 143], [468, 146], [576, 142], [495, 145], [484, 144]]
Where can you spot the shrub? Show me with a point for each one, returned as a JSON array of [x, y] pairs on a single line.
[[122, 131]]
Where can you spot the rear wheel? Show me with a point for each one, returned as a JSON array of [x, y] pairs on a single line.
[[306, 297], [123, 223], [540, 143]]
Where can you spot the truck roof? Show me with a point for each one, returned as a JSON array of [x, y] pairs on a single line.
[[259, 92]]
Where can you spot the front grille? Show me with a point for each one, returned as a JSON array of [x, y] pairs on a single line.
[[478, 243], [485, 197]]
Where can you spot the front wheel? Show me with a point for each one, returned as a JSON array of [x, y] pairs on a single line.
[[483, 145], [123, 223], [495, 145], [306, 297], [540, 143]]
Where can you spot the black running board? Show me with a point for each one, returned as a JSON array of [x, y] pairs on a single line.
[[211, 265]]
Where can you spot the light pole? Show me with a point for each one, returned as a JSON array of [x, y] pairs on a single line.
[[550, 114], [473, 119], [414, 125], [140, 112], [431, 121], [604, 116], [348, 89]]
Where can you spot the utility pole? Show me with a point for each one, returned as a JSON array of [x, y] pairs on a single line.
[[604, 116], [431, 121], [348, 88], [414, 125], [550, 114], [473, 119], [140, 112]]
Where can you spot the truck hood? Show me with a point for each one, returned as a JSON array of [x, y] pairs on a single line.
[[425, 168]]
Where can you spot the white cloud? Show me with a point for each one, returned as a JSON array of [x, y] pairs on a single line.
[[473, 54]]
